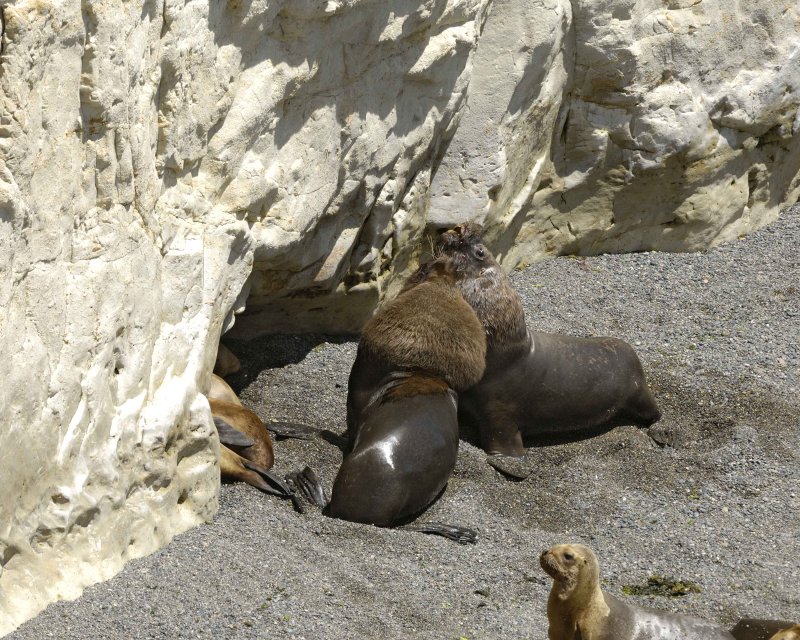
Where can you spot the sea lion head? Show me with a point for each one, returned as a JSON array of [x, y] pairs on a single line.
[[573, 567], [463, 244]]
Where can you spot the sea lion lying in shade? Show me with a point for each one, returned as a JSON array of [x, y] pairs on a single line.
[[539, 384], [415, 355], [226, 363], [246, 452]]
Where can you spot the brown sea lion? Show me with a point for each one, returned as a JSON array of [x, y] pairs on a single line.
[[414, 355], [754, 629], [246, 452], [792, 633], [578, 609], [539, 384], [227, 363], [218, 389]]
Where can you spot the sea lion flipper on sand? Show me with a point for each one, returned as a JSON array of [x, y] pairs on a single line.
[[292, 430], [512, 467], [307, 484], [273, 484], [229, 435], [462, 535]]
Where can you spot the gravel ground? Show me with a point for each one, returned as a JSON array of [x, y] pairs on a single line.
[[719, 505]]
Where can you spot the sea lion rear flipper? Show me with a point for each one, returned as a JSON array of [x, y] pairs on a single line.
[[274, 484], [230, 435], [292, 430], [510, 466], [307, 484], [462, 535]]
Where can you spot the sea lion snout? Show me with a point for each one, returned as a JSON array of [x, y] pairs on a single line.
[[549, 563]]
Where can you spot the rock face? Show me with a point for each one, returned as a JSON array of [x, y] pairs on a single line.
[[162, 163]]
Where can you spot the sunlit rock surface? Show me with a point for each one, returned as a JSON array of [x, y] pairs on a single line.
[[164, 165]]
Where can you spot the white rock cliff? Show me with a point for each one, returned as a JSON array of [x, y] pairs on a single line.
[[165, 163]]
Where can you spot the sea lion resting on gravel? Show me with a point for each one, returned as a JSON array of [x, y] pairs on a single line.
[[578, 609], [415, 354], [539, 383]]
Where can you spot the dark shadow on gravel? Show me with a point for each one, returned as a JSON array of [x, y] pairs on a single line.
[[274, 351]]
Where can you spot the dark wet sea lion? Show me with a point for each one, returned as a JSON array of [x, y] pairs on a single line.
[[539, 384], [754, 629], [578, 609], [414, 355]]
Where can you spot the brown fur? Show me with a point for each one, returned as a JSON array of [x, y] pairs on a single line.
[[486, 287], [418, 385], [220, 390], [576, 603], [792, 633], [535, 383], [429, 327], [226, 362], [577, 608], [250, 424]]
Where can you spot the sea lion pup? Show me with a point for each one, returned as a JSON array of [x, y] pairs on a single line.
[[754, 629], [415, 354], [537, 383], [793, 633], [578, 609]]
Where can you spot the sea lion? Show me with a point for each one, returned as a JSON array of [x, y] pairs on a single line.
[[415, 354], [246, 452], [539, 384], [578, 609], [226, 362], [792, 633], [218, 389], [753, 629]]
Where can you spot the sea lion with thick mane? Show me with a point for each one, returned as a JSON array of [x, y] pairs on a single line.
[[539, 384], [578, 609], [415, 355]]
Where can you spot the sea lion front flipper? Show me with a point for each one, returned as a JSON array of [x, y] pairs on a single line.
[[510, 466], [292, 430], [274, 484], [230, 435], [307, 483], [462, 535]]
